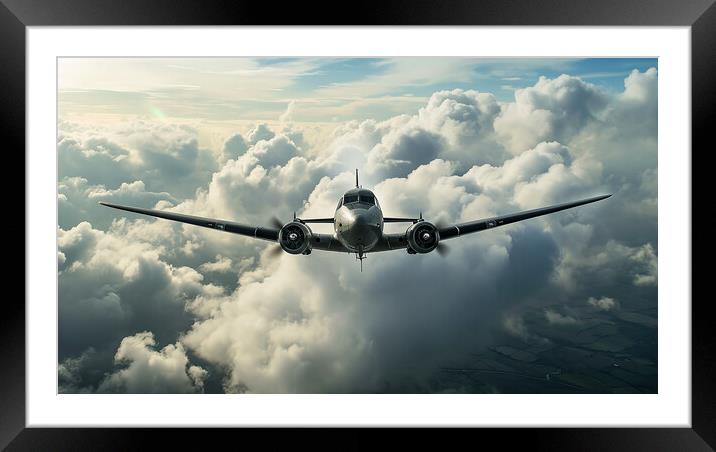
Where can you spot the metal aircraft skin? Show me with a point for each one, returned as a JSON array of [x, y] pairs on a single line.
[[358, 224]]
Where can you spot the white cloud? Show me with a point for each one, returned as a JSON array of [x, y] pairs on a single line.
[[260, 132], [552, 109], [79, 201], [227, 79], [165, 158], [287, 116], [152, 371], [234, 146], [603, 303], [607, 263], [399, 73], [221, 265], [112, 281], [555, 318]]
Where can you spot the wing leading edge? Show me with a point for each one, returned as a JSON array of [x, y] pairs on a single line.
[[258, 232], [327, 242], [480, 225]]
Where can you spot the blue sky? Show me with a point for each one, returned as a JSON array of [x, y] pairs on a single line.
[[499, 77], [321, 89]]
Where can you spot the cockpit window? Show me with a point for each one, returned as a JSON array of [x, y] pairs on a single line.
[[369, 199], [347, 199]]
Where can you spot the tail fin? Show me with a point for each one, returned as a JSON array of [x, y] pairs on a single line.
[[357, 186]]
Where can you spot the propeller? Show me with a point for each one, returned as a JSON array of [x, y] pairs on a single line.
[[274, 251], [275, 222], [442, 249]]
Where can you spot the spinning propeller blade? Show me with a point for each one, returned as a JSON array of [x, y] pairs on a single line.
[[275, 222], [442, 249], [274, 251]]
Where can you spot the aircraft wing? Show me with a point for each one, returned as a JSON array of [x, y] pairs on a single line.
[[399, 220], [257, 232], [327, 242], [316, 220], [456, 230]]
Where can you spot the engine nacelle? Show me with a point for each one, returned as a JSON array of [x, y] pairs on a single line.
[[295, 238], [423, 237]]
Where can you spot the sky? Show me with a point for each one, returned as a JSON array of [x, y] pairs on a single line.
[[563, 303]]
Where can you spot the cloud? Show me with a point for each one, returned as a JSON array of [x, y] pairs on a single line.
[[165, 158], [234, 146], [455, 125], [398, 154], [82, 373], [608, 263], [260, 132], [152, 371], [79, 201], [113, 282], [287, 116], [462, 116], [221, 265], [555, 318], [179, 87], [553, 109], [315, 324], [640, 88], [278, 336], [398, 73], [604, 303]]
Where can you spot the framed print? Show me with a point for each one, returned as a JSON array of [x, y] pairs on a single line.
[[409, 220]]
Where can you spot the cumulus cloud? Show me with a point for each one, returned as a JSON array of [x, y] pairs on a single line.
[[221, 264], [551, 109], [260, 132], [607, 263], [278, 336], [80, 374], [153, 371], [287, 115], [398, 153], [166, 158], [79, 201], [113, 282], [234, 146], [315, 324], [556, 318], [603, 303]]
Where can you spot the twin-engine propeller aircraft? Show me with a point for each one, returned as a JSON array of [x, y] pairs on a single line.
[[358, 223]]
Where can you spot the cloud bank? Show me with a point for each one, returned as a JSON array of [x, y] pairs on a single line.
[[153, 306]]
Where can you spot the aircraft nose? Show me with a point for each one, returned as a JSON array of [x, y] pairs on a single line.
[[365, 221], [361, 228], [354, 218], [360, 219]]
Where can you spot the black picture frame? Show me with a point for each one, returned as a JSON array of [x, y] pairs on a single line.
[[16, 15]]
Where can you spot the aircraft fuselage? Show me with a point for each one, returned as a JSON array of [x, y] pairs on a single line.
[[358, 220]]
